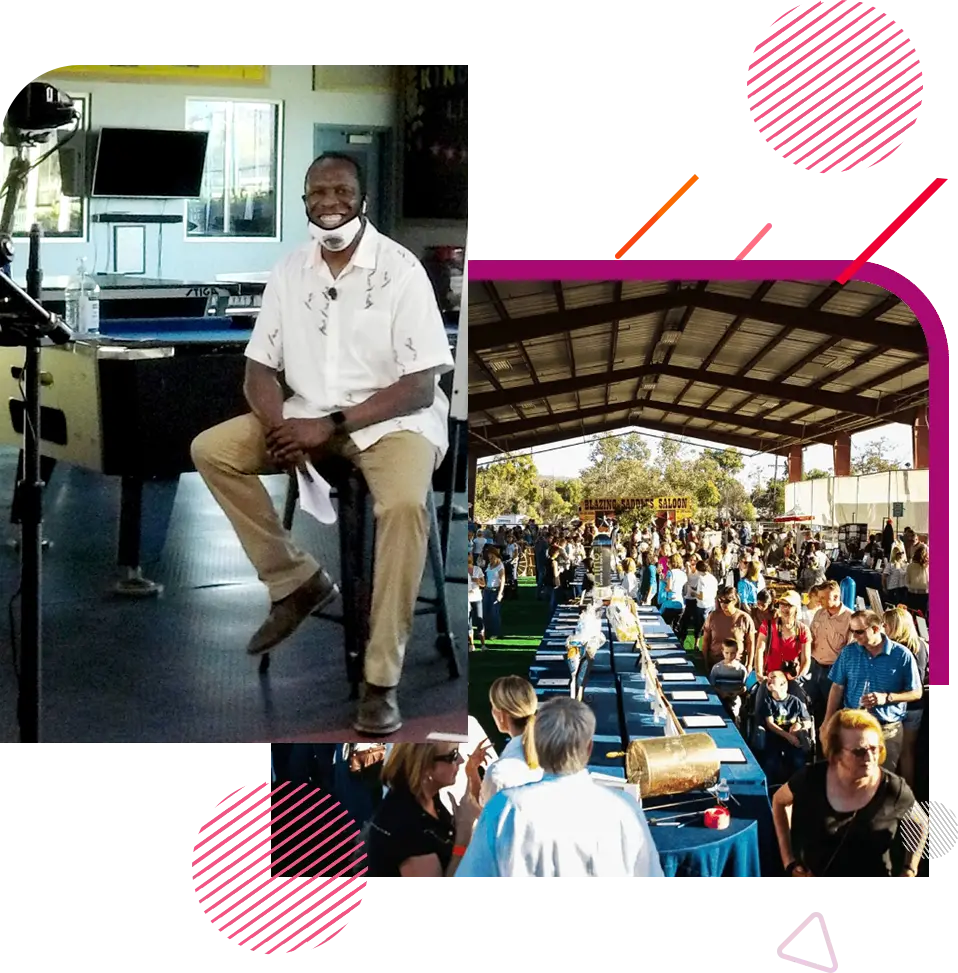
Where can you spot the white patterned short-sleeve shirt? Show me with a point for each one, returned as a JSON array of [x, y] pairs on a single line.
[[339, 341]]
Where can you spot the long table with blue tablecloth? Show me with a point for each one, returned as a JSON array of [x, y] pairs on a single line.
[[863, 577], [615, 691]]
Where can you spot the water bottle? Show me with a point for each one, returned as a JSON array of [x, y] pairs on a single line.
[[722, 792], [82, 296]]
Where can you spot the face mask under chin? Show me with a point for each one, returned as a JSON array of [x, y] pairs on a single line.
[[338, 238]]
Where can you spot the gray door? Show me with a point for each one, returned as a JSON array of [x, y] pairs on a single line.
[[369, 147]]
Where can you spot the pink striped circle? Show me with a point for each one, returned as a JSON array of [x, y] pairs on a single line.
[[293, 830], [834, 86]]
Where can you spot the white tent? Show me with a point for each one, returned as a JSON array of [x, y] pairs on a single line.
[[867, 499]]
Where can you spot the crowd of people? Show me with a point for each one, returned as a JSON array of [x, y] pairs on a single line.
[[442, 809], [801, 668]]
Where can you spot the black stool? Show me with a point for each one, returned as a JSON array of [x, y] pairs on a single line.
[[357, 536]]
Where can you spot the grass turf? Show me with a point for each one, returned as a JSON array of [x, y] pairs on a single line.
[[524, 621], [523, 624]]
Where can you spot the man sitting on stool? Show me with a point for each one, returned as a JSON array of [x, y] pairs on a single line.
[[351, 322]]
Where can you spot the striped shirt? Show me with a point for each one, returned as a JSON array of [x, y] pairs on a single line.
[[893, 670]]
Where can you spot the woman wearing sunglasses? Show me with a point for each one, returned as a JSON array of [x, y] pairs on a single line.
[[847, 811], [412, 835], [784, 642]]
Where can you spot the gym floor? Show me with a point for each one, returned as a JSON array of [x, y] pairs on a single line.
[[174, 668]]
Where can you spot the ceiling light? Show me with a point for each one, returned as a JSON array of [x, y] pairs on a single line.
[[670, 338], [658, 356], [647, 382], [500, 365]]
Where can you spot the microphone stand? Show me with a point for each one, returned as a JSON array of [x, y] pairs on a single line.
[[24, 319]]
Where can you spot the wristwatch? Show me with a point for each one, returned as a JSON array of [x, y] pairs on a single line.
[[792, 866], [339, 420]]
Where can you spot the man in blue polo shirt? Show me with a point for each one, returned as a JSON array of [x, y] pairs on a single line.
[[876, 674]]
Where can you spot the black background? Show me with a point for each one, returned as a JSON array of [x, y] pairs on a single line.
[[575, 142], [435, 131]]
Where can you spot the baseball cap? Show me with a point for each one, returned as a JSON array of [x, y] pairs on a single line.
[[792, 597]]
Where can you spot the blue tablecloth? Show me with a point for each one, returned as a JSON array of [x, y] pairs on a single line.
[[864, 578], [739, 852], [615, 692]]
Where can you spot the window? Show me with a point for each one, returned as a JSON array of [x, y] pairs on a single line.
[[42, 200], [239, 196]]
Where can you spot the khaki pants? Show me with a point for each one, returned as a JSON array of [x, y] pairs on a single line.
[[231, 456]]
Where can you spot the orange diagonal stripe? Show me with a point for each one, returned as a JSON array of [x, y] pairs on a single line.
[[657, 215]]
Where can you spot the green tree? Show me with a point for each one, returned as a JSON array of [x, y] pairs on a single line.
[[769, 501], [553, 508], [570, 491], [816, 474], [729, 460], [708, 495], [878, 456], [718, 467], [507, 486], [620, 467]]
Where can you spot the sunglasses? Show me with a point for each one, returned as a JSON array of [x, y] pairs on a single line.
[[862, 752], [858, 631], [447, 758]]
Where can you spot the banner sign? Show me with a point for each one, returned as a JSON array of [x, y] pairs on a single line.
[[611, 505]]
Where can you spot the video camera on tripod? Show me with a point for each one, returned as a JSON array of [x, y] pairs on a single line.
[[35, 114]]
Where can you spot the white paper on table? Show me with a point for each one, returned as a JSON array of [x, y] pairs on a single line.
[[730, 755], [677, 676], [703, 721], [689, 695], [554, 682], [549, 657], [607, 780], [659, 635], [314, 495], [674, 661]]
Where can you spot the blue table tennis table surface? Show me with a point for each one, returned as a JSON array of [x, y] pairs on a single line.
[[165, 331]]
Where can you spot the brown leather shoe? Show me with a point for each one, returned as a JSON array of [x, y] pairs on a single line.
[[378, 713], [290, 612]]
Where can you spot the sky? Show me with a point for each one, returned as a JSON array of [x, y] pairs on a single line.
[[567, 460]]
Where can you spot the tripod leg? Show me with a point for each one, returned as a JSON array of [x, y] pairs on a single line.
[[47, 466]]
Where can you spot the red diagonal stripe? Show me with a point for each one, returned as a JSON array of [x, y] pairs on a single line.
[[925, 196], [323, 943], [295, 905], [886, 155], [772, 37], [228, 824], [277, 888], [871, 138], [319, 932], [296, 932], [228, 796], [880, 145], [227, 811]]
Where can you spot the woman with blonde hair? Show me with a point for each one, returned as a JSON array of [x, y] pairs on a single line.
[[916, 579], [412, 835], [846, 811], [749, 586], [514, 705], [900, 627], [894, 578], [630, 583]]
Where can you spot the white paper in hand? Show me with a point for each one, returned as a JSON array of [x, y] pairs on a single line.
[[314, 495]]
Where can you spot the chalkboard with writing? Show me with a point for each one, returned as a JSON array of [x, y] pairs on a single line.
[[434, 142]]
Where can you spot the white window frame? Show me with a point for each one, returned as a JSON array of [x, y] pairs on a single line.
[[280, 139], [83, 131]]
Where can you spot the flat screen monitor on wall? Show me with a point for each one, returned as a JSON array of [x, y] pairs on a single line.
[[149, 163]]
